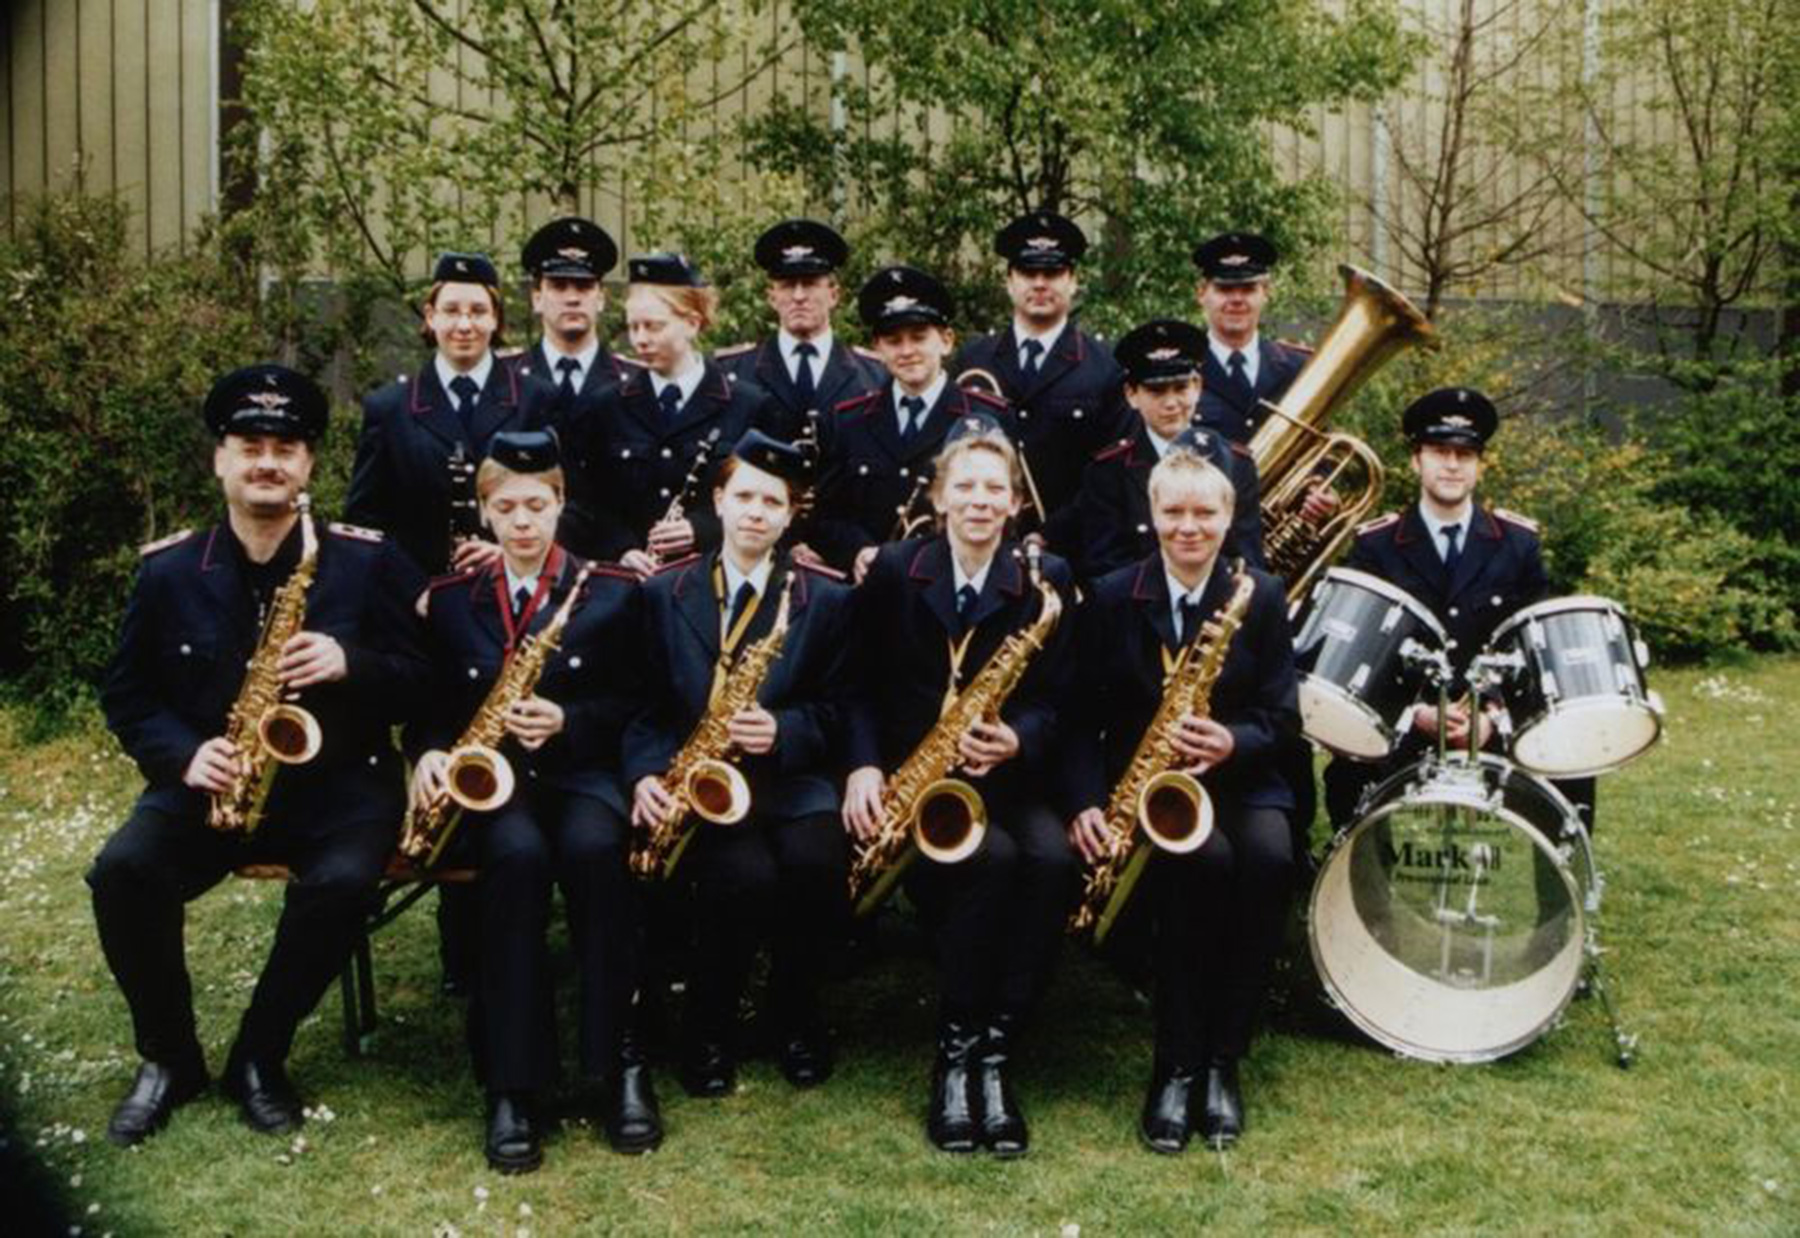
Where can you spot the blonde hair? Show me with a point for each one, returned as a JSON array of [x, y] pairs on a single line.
[[494, 301], [492, 475], [994, 441], [1186, 464], [700, 304]]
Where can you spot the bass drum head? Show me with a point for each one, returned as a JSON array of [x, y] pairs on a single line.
[[1584, 738], [1446, 924]]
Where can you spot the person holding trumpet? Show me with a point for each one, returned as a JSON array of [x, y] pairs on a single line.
[[544, 807]]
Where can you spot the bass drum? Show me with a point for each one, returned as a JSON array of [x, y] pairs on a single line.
[[1356, 688], [1580, 705], [1451, 922]]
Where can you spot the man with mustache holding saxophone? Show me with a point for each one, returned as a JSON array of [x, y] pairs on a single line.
[[324, 620]]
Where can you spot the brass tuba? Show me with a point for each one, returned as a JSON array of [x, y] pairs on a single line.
[[1153, 798], [926, 811], [266, 730], [1294, 452]]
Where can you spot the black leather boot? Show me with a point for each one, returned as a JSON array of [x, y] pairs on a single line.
[[1003, 1130], [266, 1098], [953, 1123], [157, 1092], [1167, 1123], [1222, 1119], [513, 1143], [633, 1120]]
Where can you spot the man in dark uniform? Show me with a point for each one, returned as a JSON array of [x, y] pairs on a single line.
[[881, 444], [1240, 367], [659, 436], [190, 628], [566, 260], [1063, 383], [413, 430], [1161, 361], [1472, 566], [804, 367]]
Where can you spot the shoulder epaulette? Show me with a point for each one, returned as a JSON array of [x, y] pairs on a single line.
[[163, 543], [356, 532], [664, 569], [820, 569], [1241, 449], [1524, 522], [867, 354], [1380, 522], [622, 359], [452, 578], [1296, 346], [856, 401], [1113, 450], [600, 568], [731, 350], [509, 352], [986, 397]]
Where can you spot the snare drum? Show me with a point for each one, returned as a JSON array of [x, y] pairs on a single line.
[[1356, 690], [1451, 922], [1580, 705]]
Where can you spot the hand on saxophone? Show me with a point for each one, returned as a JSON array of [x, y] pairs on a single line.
[[862, 801], [213, 766], [1089, 836], [753, 730], [651, 803], [429, 777], [986, 744], [534, 721], [309, 658], [1205, 743]]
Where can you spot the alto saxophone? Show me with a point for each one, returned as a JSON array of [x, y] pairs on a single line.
[[923, 809], [702, 778], [266, 730], [479, 778], [1155, 799]]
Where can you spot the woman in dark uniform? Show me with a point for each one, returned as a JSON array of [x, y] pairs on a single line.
[[779, 873], [1218, 910], [929, 614], [650, 448], [565, 820]]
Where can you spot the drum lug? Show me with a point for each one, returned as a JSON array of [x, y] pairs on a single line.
[[1548, 682]]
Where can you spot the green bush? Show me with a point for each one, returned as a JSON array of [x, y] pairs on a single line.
[[103, 364]]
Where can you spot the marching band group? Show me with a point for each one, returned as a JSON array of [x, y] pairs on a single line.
[[731, 646]]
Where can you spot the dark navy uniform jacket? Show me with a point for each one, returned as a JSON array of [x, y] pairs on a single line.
[[1125, 625], [410, 430], [805, 689], [608, 371], [869, 474], [1501, 570], [190, 628], [595, 673], [846, 374], [1072, 408], [1114, 508], [634, 459], [1224, 407], [905, 625]]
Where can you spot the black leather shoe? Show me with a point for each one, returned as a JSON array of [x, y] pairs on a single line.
[[266, 1098], [1222, 1119], [953, 1123], [1166, 1125], [806, 1056], [708, 1070], [1003, 1130], [157, 1092], [633, 1120], [513, 1143]]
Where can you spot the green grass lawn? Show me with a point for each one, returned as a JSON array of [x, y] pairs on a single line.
[[1701, 853]]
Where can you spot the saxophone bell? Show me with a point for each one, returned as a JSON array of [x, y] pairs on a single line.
[[1175, 812], [950, 821], [289, 734], [718, 792], [479, 778]]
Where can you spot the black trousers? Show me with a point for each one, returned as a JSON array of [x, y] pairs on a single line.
[[998, 918], [542, 838], [1219, 916], [160, 860], [783, 881]]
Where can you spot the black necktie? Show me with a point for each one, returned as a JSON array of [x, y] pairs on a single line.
[[1190, 619], [1034, 352], [521, 599], [465, 390], [1234, 365], [1452, 548], [803, 375], [567, 367], [965, 604], [670, 399], [746, 593], [913, 407]]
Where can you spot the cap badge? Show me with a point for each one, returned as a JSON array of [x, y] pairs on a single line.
[[1162, 354], [1233, 260], [899, 305], [1456, 421], [794, 253], [269, 400], [573, 253], [1041, 243]]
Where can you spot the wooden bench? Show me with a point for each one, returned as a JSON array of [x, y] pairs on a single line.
[[402, 885]]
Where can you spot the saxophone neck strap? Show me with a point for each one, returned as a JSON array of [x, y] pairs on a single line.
[[517, 627]]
